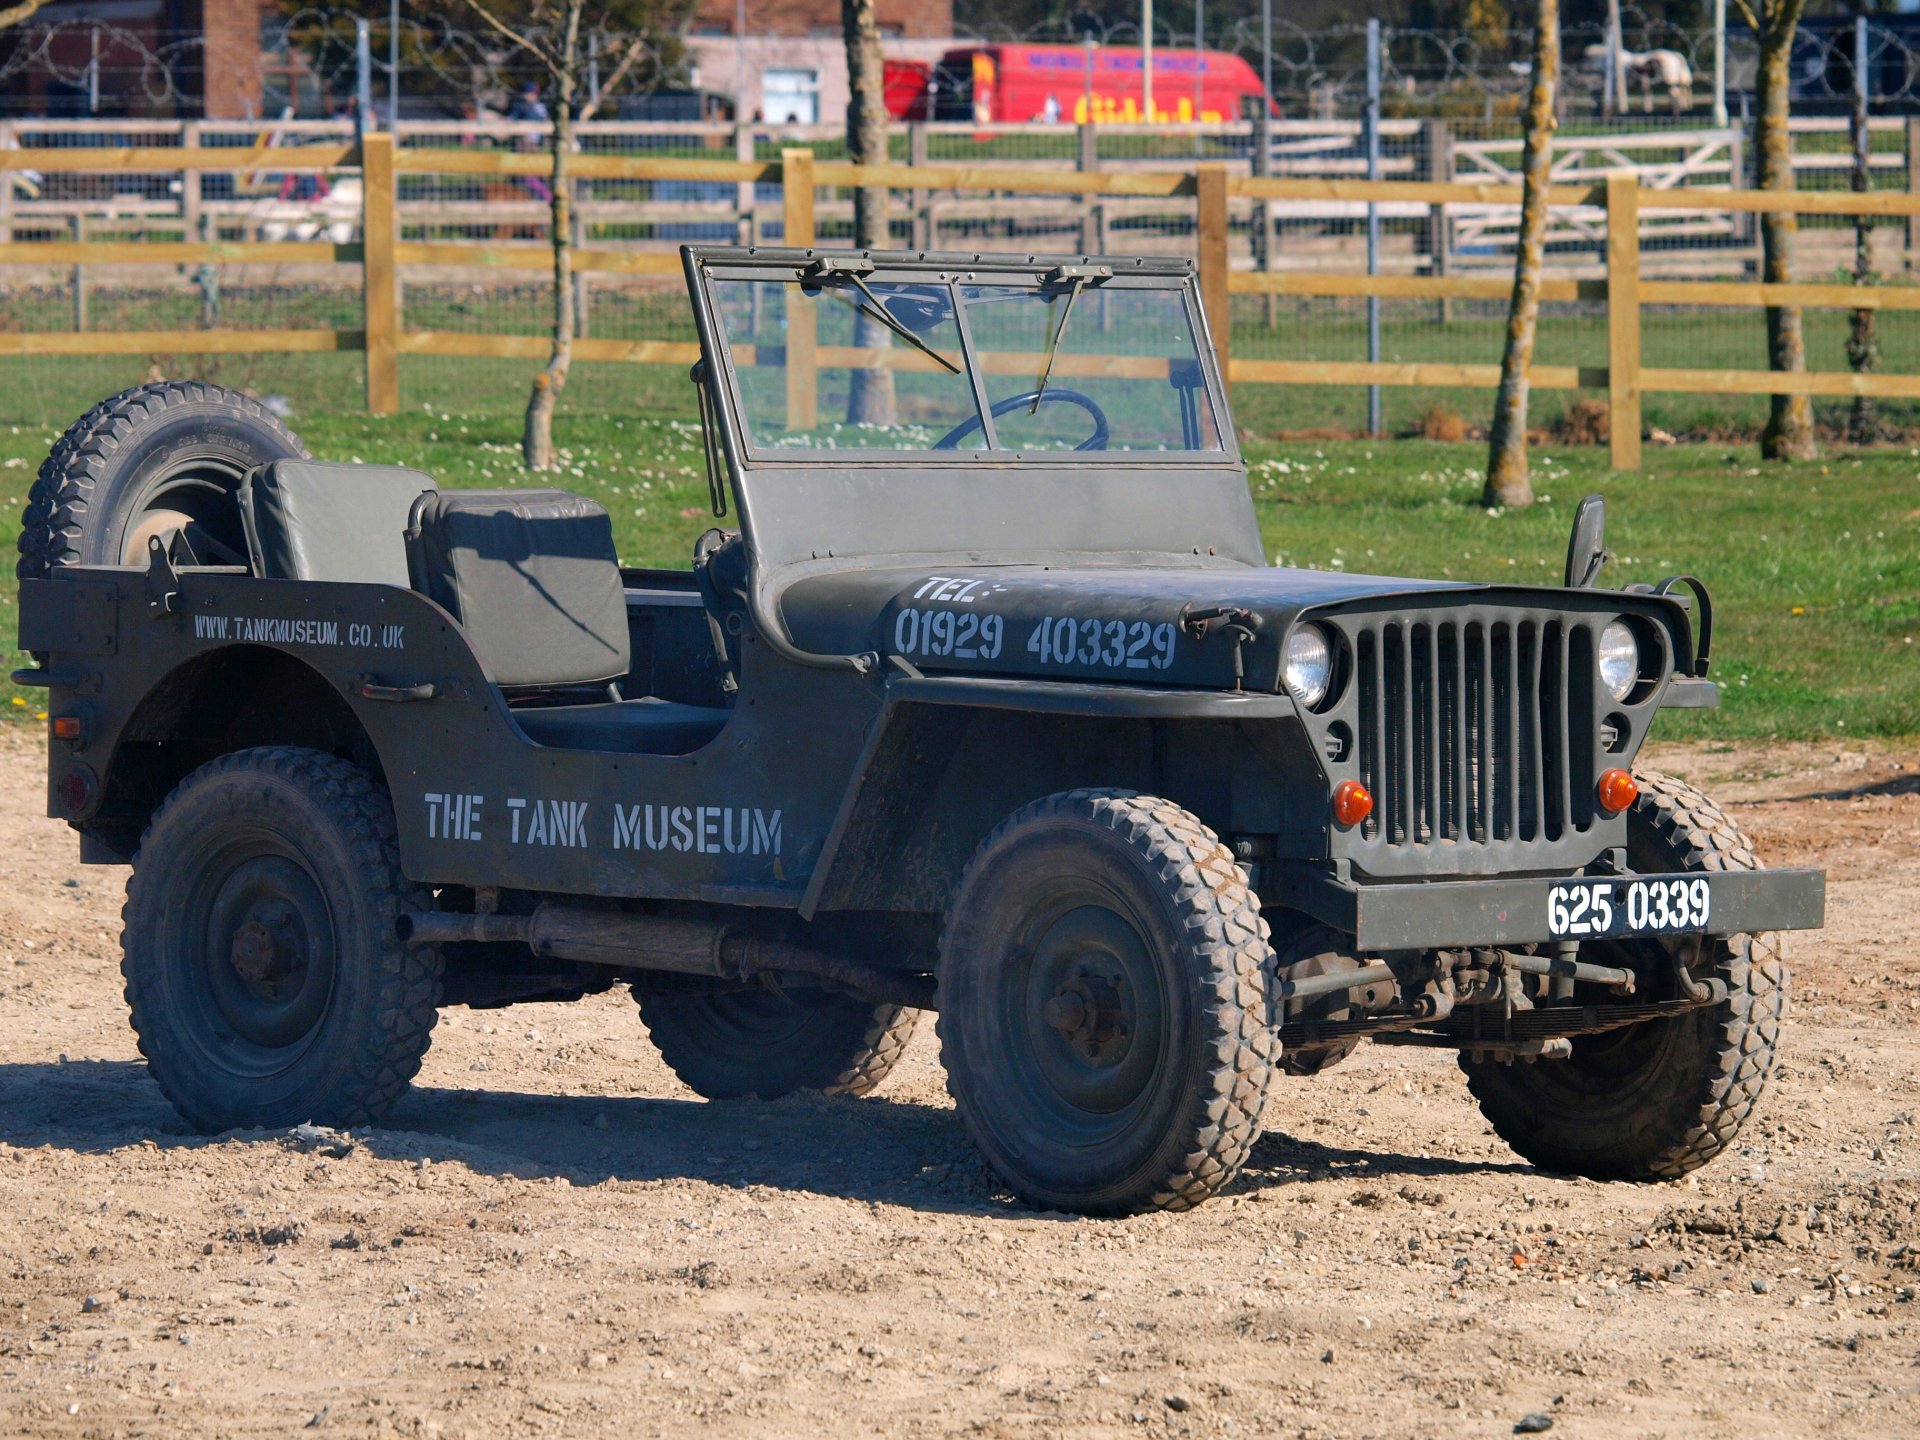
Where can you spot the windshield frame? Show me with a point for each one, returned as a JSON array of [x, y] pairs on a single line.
[[708, 265]]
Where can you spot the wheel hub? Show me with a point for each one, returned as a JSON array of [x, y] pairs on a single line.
[[266, 949], [1092, 1012]]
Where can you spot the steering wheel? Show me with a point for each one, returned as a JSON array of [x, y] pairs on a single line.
[[1095, 441]]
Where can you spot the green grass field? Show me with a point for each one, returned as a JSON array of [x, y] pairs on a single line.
[[1815, 569]]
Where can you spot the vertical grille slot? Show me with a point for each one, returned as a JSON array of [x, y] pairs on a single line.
[[1475, 731]]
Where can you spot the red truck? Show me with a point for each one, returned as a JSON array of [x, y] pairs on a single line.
[[988, 83]]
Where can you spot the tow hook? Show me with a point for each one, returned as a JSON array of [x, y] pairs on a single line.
[[1238, 623]]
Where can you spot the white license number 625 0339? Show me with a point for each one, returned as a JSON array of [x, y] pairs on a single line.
[[1628, 907]]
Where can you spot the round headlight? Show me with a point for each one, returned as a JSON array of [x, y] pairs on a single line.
[[1619, 659], [1309, 664]]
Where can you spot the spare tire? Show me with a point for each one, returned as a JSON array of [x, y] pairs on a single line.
[[157, 458]]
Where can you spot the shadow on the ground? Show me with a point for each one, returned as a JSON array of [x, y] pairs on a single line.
[[1892, 785], [899, 1152], [1282, 1159]]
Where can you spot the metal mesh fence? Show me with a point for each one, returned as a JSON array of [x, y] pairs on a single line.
[[279, 197]]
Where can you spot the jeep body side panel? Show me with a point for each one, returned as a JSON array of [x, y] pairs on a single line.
[[741, 820]]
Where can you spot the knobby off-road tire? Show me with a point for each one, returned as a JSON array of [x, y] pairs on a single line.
[[1104, 1005], [1660, 1099], [158, 457], [266, 982], [772, 1041]]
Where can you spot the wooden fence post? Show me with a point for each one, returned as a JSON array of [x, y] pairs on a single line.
[[803, 379], [1210, 185], [379, 277], [1623, 320]]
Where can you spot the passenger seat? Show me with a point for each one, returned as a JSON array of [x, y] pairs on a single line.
[[533, 579]]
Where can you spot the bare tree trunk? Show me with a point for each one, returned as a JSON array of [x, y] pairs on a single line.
[[870, 392], [536, 444], [1789, 432], [1507, 481]]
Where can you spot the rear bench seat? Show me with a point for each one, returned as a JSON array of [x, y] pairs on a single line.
[[531, 575]]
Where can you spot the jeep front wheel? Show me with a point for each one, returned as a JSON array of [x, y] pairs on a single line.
[[1104, 1005], [1661, 1098], [267, 983]]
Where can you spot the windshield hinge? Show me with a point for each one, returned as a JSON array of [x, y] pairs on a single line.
[[839, 265], [1061, 274]]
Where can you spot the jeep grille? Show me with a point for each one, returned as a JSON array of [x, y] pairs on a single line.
[[1476, 732]]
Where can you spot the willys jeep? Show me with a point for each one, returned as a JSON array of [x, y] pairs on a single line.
[[991, 706]]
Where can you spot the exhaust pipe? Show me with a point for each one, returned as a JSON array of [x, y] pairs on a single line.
[[664, 942]]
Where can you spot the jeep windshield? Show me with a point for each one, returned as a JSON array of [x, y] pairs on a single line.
[[884, 356]]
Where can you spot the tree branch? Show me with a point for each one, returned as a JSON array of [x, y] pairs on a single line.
[[25, 10], [1746, 14], [543, 55], [612, 83]]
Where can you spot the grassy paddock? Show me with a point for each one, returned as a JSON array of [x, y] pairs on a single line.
[[1815, 570]]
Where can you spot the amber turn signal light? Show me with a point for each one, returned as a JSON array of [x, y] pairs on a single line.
[[66, 727], [1352, 802], [1617, 790]]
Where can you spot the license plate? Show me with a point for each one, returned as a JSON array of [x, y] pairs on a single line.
[[1658, 905]]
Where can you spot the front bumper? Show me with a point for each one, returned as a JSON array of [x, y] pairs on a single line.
[[1450, 914]]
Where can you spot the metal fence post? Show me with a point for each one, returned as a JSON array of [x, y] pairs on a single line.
[[1439, 138], [6, 187], [1623, 320], [1210, 188], [80, 278], [796, 199], [1373, 216], [920, 201], [1263, 256], [379, 276], [190, 231]]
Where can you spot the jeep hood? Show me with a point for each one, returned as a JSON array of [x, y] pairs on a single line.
[[1067, 622]]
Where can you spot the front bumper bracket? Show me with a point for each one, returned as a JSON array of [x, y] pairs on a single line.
[[1450, 914]]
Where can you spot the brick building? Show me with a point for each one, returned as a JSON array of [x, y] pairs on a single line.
[[789, 64], [142, 58], [192, 59]]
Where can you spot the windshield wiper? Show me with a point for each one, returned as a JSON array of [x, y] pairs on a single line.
[[879, 312], [1080, 275], [835, 267]]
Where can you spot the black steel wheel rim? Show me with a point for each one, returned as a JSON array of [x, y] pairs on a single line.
[[255, 950], [1083, 1001]]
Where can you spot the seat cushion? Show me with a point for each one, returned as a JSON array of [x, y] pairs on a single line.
[[314, 520], [532, 578], [637, 727]]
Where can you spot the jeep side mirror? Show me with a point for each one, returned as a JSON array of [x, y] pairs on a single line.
[[1586, 547]]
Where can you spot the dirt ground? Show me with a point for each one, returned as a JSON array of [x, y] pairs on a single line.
[[553, 1237]]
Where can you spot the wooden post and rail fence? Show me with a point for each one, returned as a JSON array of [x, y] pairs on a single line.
[[383, 255]]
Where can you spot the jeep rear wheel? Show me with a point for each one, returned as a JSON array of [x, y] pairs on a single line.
[[1104, 1005], [266, 980], [1662, 1098], [152, 460], [774, 1040]]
